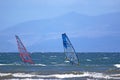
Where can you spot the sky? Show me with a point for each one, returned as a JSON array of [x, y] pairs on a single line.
[[13, 12], [16, 11]]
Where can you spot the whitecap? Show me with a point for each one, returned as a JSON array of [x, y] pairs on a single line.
[[9, 64], [101, 75], [115, 76], [117, 65], [92, 75], [61, 76], [67, 61], [88, 60], [5, 74], [39, 64], [5, 64], [96, 75], [22, 75]]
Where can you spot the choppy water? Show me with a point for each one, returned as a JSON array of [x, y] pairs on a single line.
[[93, 66]]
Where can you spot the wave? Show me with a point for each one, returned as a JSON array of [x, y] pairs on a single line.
[[67, 61], [9, 64], [93, 75], [88, 60], [4, 74], [117, 65], [39, 64], [22, 64]]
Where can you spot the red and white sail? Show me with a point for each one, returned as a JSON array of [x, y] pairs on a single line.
[[25, 56]]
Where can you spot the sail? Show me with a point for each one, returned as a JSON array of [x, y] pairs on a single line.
[[69, 50], [23, 52]]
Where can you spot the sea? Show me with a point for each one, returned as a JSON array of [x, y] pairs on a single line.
[[53, 66]]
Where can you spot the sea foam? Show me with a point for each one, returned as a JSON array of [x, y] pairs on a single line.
[[39, 64], [117, 65], [93, 75], [9, 64]]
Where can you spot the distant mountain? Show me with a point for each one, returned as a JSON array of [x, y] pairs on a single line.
[[45, 35]]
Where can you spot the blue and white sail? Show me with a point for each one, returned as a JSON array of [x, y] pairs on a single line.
[[69, 50]]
